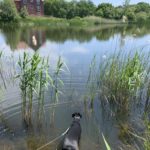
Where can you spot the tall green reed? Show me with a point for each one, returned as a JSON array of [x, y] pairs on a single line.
[[123, 80], [106, 143], [57, 81], [92, 81], [120, 77], [34, 77]]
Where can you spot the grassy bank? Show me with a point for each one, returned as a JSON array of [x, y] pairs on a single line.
[[77, 21]]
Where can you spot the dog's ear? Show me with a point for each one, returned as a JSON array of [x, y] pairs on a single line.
[[73, 115], [80, 115]]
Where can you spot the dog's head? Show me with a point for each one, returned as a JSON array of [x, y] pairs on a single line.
[[77, 116]]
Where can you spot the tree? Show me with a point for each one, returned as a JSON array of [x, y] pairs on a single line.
[[118, 13], [142, 7], [105, 10], [55, 8], [23, 12], [85, 8], [130, 15], [8, 11]]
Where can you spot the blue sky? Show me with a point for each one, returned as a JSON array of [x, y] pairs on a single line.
[[119, 2]]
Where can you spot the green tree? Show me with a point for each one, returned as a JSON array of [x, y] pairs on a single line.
[[85, 8], [23, 12], [130, 15], [105, 10], [142, 7], [55, 8], [72, 10], [63, 9], [8, 11], [118, 12], [126, 5]]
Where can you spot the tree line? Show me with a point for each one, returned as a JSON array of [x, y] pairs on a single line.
[[8, 11], [83, 8]]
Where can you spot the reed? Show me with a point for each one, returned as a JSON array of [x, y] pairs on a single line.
[[147, 139], [57, 82], [92, 81], [1, 71], [120, 78], [106, 143], [123, 80], [1, 54], [33, 77]]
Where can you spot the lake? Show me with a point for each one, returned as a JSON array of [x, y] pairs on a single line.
[[77, 47]]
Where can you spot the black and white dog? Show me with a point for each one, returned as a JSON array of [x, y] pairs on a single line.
[[72, 137]]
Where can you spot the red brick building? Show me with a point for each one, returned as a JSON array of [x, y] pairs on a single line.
[[34, 7]]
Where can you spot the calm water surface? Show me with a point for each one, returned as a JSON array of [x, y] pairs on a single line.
[[76, 46]]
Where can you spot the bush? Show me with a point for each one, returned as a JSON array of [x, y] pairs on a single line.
[[130, 15], [141, 17], [8, 11], [23, 12], [105, 10]]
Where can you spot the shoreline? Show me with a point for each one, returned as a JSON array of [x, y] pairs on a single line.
[[90, 21]]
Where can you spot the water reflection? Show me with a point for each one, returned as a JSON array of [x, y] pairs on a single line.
[[34, 38], [21, 39]]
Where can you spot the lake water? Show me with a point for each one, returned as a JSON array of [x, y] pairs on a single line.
[[77, 47]]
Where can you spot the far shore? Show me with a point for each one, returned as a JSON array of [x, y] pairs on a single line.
[[77, 21]]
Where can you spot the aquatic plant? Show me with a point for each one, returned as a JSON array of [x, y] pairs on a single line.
[[33, 78], [57, 82], [147, 141], [106, 143], [1, 54], [92, 81], [1, 72], [120, 77]]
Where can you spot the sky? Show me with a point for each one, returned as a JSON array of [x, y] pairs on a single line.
[[119, 2]]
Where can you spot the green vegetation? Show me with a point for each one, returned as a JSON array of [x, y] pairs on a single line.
[[8, 11], [120, 78], [106, 143], [119, 82], [1, 71], [147, 134], [62, 22], [63, 9], [91, 82], [34, 78], [75, 10], [23, 12], [68, 10], [57, 82]]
